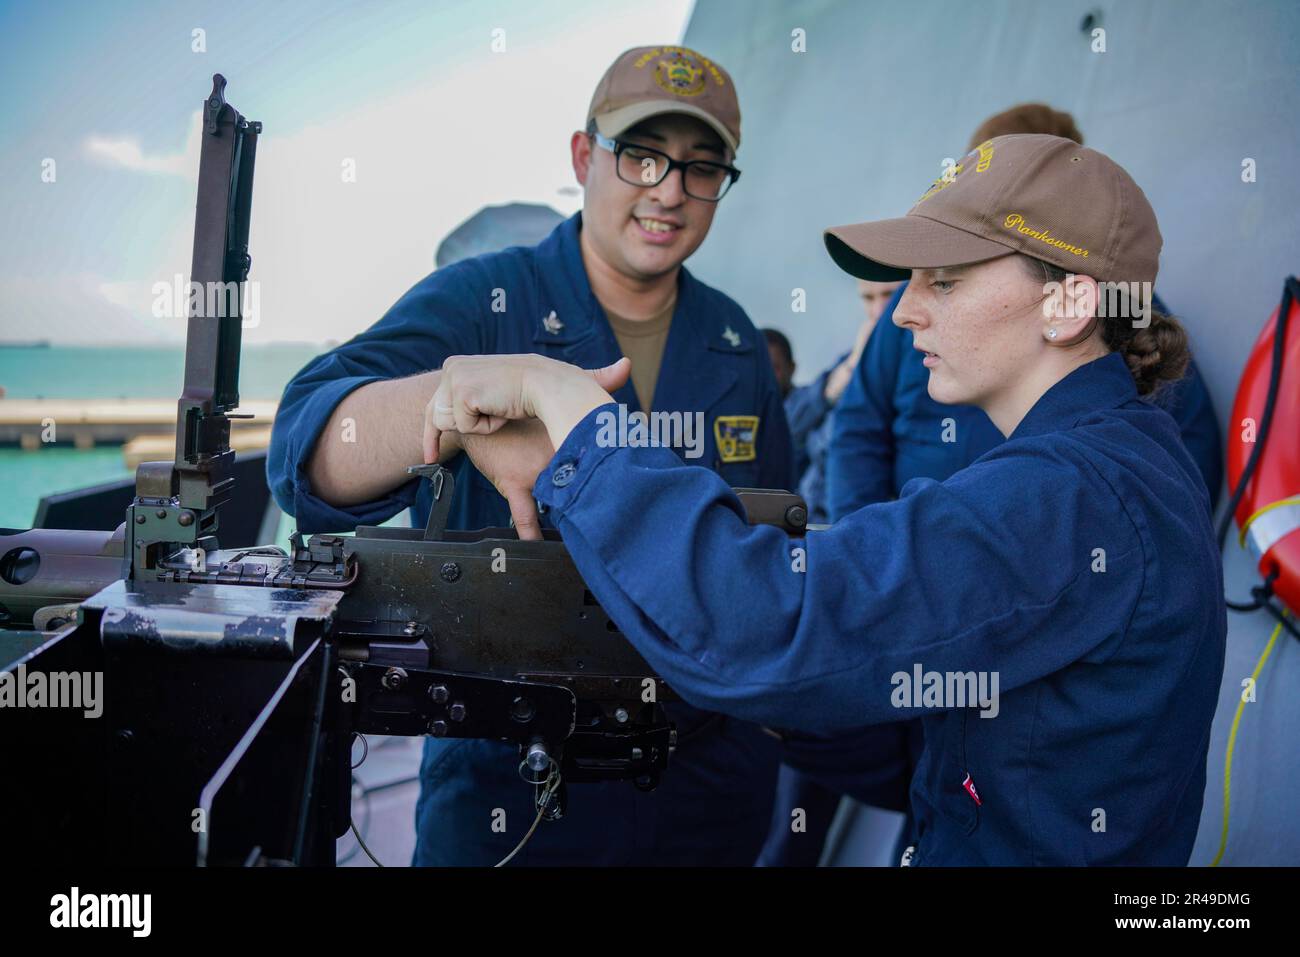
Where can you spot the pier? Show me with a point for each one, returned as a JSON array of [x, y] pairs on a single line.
[[145, 428]]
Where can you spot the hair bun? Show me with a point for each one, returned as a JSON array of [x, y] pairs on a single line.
[[1155, 354]]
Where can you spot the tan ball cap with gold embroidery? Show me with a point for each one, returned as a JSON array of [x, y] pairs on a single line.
[[648, 81], [1043, 196]]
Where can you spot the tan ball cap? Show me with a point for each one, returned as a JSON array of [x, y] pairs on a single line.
[[649, 81], [1044, 196]]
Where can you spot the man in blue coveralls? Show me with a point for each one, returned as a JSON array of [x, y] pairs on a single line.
[[655, 157]]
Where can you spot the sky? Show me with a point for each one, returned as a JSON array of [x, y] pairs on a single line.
[[411, 96]]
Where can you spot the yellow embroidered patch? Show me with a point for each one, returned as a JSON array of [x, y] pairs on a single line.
[[943, 182], [679, 70], [737, 437]]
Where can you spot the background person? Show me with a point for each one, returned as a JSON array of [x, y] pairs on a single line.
[[809, 410]]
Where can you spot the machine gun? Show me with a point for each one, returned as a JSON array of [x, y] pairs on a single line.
[[235, 681]]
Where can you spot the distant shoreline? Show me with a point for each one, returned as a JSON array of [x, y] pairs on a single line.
[[177, 345]]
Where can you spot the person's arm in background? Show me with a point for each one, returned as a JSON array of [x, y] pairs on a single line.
[[860, 463], [775, 447], [870, 763], [812, 435], [805, 410], [351, 421], [812, 481], [1188, 401]]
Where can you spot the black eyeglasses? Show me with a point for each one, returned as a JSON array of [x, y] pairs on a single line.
[[643, 166]]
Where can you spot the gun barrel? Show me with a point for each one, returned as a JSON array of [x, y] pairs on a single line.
[[41, 567]]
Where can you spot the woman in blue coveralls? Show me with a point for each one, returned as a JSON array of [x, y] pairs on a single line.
[[1053, 612]]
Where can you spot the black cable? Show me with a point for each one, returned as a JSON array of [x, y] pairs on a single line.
[[1284, 619], [1263, 594], [365, 745]]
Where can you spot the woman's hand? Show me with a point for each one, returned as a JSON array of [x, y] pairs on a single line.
[[477, 395], [510, 458]]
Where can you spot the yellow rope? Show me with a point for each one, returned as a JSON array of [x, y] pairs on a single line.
[[1245, 527], [1232, 741]]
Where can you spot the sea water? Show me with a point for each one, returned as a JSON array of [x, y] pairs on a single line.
[[84, 372]]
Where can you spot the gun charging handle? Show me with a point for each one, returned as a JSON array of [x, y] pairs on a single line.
[[444, 487]]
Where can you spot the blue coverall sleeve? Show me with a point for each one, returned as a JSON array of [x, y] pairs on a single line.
[[1188, 401], [436, 319], [805, 410], [860, 463], [775, 452], [984, 572]]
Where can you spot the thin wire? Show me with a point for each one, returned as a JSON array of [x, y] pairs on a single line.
[[357, 835], [364, 793], [552, 783], [518, 847], [357, 791]]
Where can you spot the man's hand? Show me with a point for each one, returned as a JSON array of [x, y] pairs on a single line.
[[477, 395], [510, 458]]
